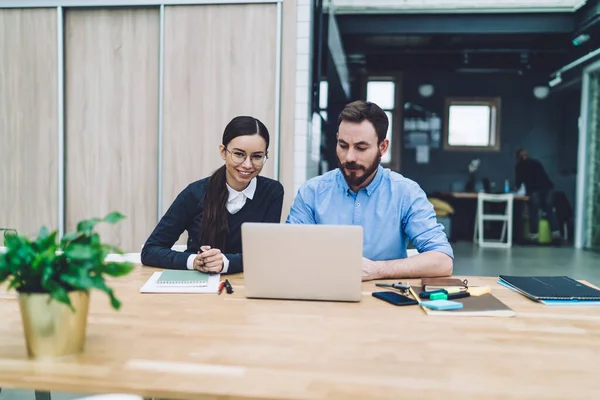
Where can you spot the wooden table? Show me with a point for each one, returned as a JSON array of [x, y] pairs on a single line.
[[215, 347]]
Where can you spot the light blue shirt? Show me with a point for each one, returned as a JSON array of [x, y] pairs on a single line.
[[392, 210]]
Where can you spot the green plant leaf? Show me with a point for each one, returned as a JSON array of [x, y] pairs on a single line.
[[101, 285], [70, 237], [5, 271], [46, 275], [95, 239], [25, 253], [82, 280], [59, 294], [79, 252], [47, 242], [118, 269], [86, 226], [114, 302], [114, 217], [43, 234]]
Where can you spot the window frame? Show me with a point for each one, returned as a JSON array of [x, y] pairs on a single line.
[[395, 150], [493, 102]]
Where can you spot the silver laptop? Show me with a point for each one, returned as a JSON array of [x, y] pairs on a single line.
[[302, 262]]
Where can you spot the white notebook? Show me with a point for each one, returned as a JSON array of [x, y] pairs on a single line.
[[152, 286]]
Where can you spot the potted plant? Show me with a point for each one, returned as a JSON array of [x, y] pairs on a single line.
[[53, 280]]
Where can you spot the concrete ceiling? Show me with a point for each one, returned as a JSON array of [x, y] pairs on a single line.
[[446, 6]]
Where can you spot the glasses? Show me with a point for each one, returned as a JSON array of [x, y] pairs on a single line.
[[238, 157]]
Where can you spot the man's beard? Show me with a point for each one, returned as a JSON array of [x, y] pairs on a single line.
[[351, 178]]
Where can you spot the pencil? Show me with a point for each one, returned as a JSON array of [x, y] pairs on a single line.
[[412, 292]]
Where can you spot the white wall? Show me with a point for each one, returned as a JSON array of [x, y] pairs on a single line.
[[302, 126]]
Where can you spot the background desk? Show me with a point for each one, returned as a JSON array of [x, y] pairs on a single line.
[[465, 208], [472, 195], [208, 346]]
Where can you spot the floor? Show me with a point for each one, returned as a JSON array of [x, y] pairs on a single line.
[[472, 260], [530, 260]]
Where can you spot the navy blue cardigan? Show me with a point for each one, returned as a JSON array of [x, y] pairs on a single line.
[[185, 214]]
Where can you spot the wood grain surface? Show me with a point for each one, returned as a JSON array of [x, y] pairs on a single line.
[[201, 346]]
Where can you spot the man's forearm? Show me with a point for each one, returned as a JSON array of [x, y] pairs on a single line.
[[430, 264]]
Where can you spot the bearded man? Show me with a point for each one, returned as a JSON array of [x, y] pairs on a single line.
[[391, 209]]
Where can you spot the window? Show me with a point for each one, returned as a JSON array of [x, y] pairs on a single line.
[[472, 124], [319, 118], [383, 93], [323, 93]]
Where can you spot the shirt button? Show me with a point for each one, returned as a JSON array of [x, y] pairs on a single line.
[[357, 204]]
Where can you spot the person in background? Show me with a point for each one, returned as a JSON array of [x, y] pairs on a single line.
[[540, 189], [391, 208], [213, 209]]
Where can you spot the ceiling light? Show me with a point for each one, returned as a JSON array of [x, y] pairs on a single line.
[[581, 39], [426, 90], [541, 92], [556, 81]]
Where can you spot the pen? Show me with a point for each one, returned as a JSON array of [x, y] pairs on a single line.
[[221, 286], [228, 287], [394, 285]]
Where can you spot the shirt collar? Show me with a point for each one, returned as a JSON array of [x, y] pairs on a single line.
[[371, 187], [248, 192]]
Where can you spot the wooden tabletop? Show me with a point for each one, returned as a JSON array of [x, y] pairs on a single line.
[[202, 346]]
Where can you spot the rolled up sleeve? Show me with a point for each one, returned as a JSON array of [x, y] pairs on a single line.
[[302, 210], [421, 226]]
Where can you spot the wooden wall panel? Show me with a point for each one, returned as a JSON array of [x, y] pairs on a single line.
[[112, 119], [28, 120], [219, 63]]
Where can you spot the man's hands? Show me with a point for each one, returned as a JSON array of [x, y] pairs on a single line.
[[209, 260], [371, 270]]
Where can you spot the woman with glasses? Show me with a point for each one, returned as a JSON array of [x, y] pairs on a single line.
[[213, 209]]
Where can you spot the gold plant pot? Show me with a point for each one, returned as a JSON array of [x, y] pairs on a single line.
[[51, 328]]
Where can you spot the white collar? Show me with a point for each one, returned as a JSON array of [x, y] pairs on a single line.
[[248, 192]]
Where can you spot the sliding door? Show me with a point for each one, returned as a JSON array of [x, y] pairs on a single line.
[[219, 63], [28, 120], [111, 73]]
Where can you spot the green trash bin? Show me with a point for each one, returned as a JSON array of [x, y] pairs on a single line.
[[544, 230], [545, 235]]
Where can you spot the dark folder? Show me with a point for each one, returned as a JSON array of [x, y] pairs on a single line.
[[551, 288]]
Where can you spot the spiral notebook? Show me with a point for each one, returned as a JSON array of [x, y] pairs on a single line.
[[547, 289], [182, 278], [173, 283]]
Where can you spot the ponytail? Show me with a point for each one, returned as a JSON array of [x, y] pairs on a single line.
[[214, 221]]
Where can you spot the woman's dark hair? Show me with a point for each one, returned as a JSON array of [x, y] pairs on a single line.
[[214, 220]]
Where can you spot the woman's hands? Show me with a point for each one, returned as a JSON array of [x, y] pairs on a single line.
[[209, 260]]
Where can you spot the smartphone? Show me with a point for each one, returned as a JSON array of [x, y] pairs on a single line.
[[394, 298]]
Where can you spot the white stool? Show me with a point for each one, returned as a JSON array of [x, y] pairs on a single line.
[[506, 218]]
